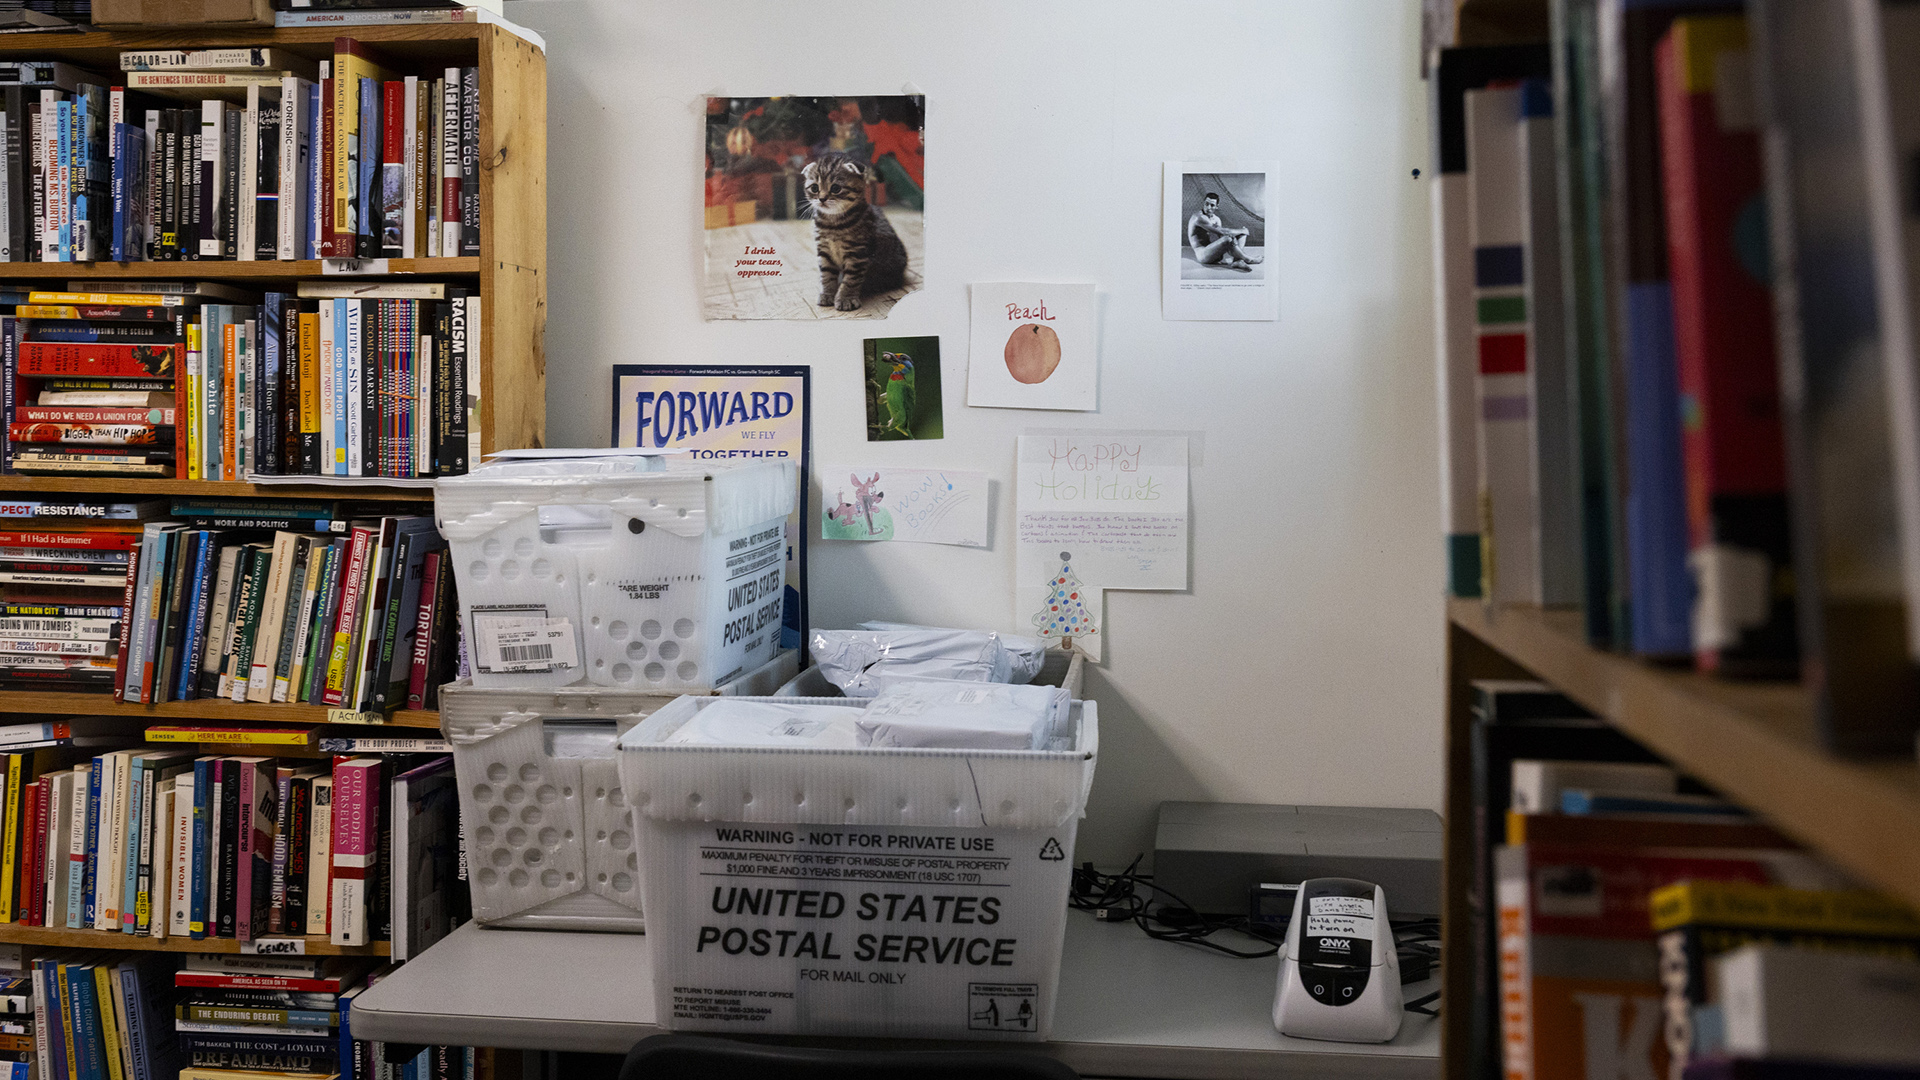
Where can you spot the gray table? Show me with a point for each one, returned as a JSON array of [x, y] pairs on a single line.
[[1128, 1006]]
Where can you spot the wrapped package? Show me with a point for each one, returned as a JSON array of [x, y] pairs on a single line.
[[733, 722], [964, 716], [1024, 654], [854, 659]]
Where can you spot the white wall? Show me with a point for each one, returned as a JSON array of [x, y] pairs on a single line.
[[1304, 664]]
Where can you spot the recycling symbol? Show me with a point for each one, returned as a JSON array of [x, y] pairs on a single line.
[[1051, 852]]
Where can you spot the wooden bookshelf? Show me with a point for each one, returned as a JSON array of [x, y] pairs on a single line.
[[199, 710], [139, 488], [1753, 742], [49, 937], [226, 270]]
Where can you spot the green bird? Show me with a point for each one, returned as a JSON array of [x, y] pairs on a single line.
[[900, 392]]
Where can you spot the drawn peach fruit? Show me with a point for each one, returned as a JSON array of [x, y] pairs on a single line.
[[1033, 351]]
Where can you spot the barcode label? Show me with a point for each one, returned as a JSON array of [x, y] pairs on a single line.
[[524, 643]]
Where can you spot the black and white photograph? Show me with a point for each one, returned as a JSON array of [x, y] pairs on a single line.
[[1225, 234], [1215, 256]]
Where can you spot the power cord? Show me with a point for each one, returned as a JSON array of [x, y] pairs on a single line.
[[1131, 896]]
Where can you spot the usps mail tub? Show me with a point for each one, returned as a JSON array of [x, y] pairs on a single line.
[[625, 572], [878, 892], [547, 830]]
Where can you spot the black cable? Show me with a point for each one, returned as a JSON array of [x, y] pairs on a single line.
[[1416, 1004]]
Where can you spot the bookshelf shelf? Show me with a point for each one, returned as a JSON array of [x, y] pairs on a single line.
[[224, 270], [48, 937], [197, 711], [1754, 742], [140, 487]]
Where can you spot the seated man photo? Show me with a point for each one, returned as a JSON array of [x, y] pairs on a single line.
[[1215, 245]]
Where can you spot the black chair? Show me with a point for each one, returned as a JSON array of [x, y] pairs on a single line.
[[696, 1057]]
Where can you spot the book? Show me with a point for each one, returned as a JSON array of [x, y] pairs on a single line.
[[258, 796], [1819, 1005], [1733, 447], [246, 59], [97, 360], [358, 794], [1697, 921], [352, 63]]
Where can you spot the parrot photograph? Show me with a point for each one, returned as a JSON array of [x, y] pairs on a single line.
[[903, 389]]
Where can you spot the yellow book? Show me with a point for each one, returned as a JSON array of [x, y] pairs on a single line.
[[229, 411], [111, 299], [256, 736], [103, 994], [1742, 905], [10, 846], [47, 311], [351, 63], [195, 380]]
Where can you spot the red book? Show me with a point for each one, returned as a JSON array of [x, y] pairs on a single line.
[[126, 623], [91, 414], [357, 788], [329, 985], [98, 360], [1732, 442], [423, 630], [26, 912], [326, 168], [97, 540]]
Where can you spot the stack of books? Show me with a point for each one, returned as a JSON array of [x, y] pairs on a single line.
[[351, 614], [91, 381], [163, 843], [63, 585], [103, 1015], [203, 381], [18, 1034], [242, 153]]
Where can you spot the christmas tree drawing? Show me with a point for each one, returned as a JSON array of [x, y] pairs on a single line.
[[1065, 614]]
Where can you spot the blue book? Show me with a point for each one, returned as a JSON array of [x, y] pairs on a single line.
[[76, 871], [47, 974], [199, 599], [91, 883], [197, 902], [117, 248], [87, 1038], [1584, 802], [133, 811], [310, 234], [63, 128], [347, 1065], [368, 213], [1660, 596], [130, 164]]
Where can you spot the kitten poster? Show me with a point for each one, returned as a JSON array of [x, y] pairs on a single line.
[[813, 206], [902, 388], [1033, 347], [1214, 249]]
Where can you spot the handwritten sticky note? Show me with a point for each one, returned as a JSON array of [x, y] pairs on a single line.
[[1114, 507], [922, 506], [1033, 346]]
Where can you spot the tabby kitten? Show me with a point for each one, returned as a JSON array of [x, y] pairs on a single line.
[[859, 252]]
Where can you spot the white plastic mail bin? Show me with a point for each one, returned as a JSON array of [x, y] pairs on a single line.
[[547, 830], [876, 892], [621, 572]]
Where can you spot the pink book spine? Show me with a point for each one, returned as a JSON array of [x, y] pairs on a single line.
[[423, 633], [243, 877], [356, 821]]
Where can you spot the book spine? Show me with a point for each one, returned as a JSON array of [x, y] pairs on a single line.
[[356, 819], [455, 462], [71, 359], [352, 359], [395, 113], [128, 595], [320, 856], [283, 831], [265, 238], [180, 863], [90, 881], [470, 161], [229, 852], [310, 391], [244, 855], [423, 631], [369, 214], [198, 868], [450, 183], [85, 796], [329, 110], [31, 822]]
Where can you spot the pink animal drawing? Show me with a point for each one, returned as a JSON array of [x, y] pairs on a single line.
[[842, 513], [865, 499]]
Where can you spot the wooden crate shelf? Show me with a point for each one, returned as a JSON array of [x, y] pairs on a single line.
[[224, 270], [49, 937], [142, 487]]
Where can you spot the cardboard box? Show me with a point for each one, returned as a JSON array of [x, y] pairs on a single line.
[[880, 892], [223, 13]]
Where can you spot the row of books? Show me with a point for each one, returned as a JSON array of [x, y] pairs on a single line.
[[1614, 336], [275, 158], [127, 1016], [160, 842], [1667, 928], [334, 380]]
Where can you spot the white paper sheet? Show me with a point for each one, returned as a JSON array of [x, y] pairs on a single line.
[[1033, 346], [1231, 274], [923, 506]]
